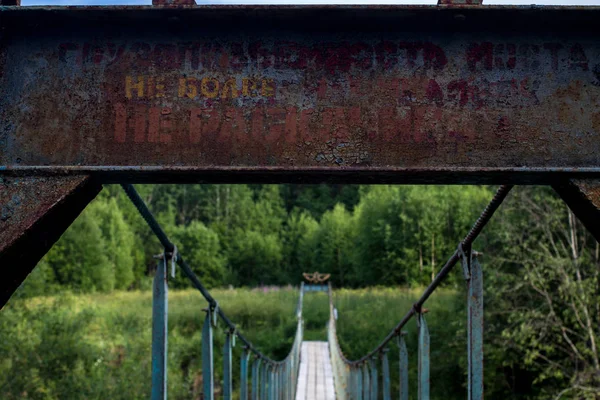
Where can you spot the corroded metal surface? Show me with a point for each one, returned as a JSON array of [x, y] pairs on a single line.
[[218, 90], [583, 198], [24, 201], [459, 2], [34, 212]]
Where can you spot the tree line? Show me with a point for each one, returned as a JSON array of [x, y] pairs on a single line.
[[248, 235]]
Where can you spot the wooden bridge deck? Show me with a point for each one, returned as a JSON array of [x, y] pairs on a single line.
[[315, 377]]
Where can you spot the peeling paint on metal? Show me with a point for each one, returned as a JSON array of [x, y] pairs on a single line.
[[258, 97], [23, 201]]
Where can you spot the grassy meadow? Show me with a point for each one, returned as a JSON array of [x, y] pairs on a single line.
[[97, 346]]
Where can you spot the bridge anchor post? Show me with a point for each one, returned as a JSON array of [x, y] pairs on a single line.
[[474, 277]]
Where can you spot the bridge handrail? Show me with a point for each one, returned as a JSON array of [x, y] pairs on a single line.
[[463, 253], [280, 369]]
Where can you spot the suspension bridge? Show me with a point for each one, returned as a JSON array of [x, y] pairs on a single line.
[[316, 370], [454, 93]]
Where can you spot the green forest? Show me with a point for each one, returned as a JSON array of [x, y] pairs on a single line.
[[541, 272]]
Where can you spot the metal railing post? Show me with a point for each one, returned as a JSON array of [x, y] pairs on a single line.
[[284, 379], [403, 367], [423, 357], [366, 381], [272, 382], [275, 390], [359, 380], [385, 366], [207, 357], [264, 375], [283, 382], [160, 310], [374, 379], [351, 388], [256, 379], [474, 277], [244, 374], [227, 380]]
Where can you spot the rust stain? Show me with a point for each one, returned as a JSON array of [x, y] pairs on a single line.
[[302, 100], [23, 201], [591, 189], [596, 121]]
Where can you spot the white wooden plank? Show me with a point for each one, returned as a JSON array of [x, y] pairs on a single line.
[[315, 376]]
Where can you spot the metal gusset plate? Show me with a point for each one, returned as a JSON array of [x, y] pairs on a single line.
[[583, 198], [34, 213]]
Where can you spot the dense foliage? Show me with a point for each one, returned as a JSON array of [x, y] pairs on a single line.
[[266, 234], [541, 267]]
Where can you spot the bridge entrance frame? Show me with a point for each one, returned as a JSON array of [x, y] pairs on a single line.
[[448, 94]]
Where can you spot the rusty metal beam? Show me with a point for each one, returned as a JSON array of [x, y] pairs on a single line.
[[446, 94], [34, 213], [174, 3], [583, 198], [459, 2]]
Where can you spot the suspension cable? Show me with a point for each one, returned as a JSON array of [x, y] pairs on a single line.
[[145, 212], [481, 222]]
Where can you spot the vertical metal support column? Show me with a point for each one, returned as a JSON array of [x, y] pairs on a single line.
[[283, 381], [374, 379], [244, 374], [273, 389], [367, 382], [160, 312], [403, 367], [349, 382], [264, 381], [474, 277], [291, 378], [278, 385], [385, 366], [272, 381], [256, 379], [227, 381], [351, 389], [207, 357], [359, 381], [423, 358], [356, 383]]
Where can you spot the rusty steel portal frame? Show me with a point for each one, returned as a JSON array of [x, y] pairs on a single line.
[[357, 94]]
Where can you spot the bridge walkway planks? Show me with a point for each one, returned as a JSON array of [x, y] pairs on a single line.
[[315, 377]]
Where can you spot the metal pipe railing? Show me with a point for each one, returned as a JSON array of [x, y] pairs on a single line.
[[358, 379], [278, 378]]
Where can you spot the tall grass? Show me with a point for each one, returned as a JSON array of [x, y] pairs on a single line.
[[366, 316], [98, 346]]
